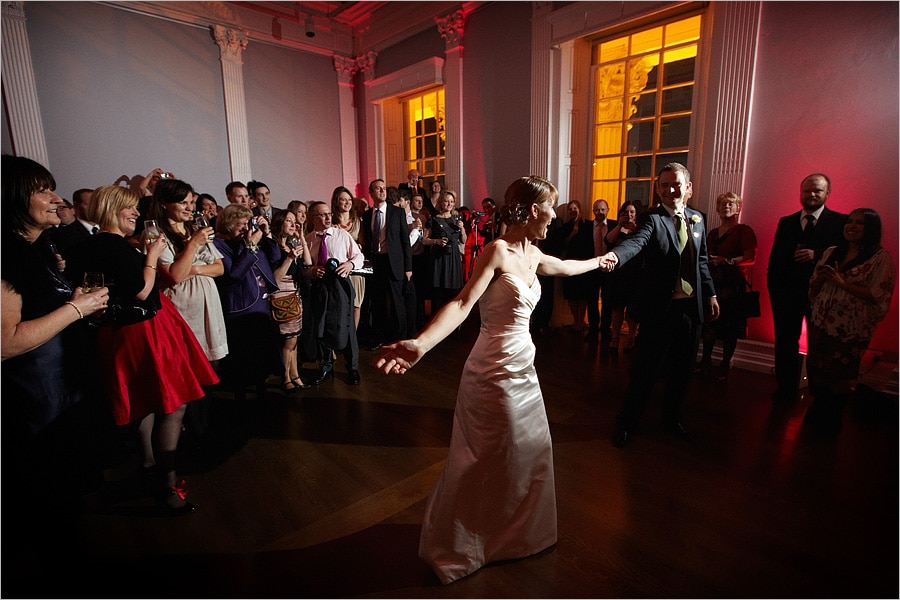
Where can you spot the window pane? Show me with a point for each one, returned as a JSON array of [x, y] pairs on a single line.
[[644, 105], [612, 50], [647, 41], [678, 99], [678, 71], [609, 110], [638, 191], [639, 166], [640, 136], [664, 159], [674, 132], [679, 32], [606, 168], [608, 139], [607, 190], [611, 81]]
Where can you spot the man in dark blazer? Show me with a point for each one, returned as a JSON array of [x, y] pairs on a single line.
[[599, 323], [412, 184], [391, 255], [800, 239], [80, 229], [676, 292]]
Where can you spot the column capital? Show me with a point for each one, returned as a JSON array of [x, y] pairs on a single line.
[[231, 42], [365, 63], [345, 67], [452, 28], [13, 8]]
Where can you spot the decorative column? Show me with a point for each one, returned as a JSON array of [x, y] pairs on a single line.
[[232, 42], [373, 162], [543, 101], [19, 88], [345, 68], [452, 28], [739, 23]]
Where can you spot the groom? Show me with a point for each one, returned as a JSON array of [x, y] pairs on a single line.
[[676, 291]]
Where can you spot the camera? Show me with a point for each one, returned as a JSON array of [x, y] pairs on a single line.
[[165, 175], [254, 225], [479, 214], [331, 265]]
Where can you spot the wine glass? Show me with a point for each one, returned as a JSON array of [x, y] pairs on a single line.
[[92, 282], [151, 231], [200, 222], [292, 242]]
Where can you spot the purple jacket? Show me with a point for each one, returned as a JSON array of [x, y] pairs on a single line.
[[239, 287]]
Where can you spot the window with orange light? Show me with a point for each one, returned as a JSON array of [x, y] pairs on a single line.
[[643, 86], [425, 134]]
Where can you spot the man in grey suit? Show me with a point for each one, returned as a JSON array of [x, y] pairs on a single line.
[[676, 295]]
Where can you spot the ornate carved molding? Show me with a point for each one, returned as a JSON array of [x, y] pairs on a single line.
[[345, 68], [452, 28], [365, 63], [231, 42], [13, 8]]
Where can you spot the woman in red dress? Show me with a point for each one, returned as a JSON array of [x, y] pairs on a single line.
[[150, 360]]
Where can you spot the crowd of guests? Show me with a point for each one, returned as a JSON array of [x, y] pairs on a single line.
[[194, 295]]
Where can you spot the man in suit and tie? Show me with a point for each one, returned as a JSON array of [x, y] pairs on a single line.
[[599, 323], [412, 184], [676, 295], [80, 229], [800, 239], [384, 236]]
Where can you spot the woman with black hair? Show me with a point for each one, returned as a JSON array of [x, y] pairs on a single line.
[[850, 293], [50, 409]]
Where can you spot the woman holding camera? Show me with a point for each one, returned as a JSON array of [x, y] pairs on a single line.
[[244, 288], [444, 233]]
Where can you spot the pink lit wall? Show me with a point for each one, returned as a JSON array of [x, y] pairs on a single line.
[[825, 100]]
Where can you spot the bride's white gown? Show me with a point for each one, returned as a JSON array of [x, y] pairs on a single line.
[[495, 499]]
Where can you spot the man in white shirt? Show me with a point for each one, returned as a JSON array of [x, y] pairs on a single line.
[[334, 255]]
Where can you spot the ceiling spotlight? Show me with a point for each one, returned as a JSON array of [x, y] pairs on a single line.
[[310, 27]]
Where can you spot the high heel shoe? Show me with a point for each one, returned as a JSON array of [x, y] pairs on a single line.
[[172, 501], [299, 385]]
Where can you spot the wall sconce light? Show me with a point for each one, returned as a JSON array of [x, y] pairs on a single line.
[[310, 27]]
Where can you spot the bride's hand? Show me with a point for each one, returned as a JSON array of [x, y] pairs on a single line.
[[399, 357]]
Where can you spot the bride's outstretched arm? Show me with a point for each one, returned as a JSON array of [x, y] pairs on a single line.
[[401, 356], [550, 265]]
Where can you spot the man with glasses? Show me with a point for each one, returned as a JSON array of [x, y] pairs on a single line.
[[334, 254]]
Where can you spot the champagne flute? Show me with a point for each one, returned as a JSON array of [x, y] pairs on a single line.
[[92, 282]]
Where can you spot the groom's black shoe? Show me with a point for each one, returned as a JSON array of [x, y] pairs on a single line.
[[322, 376]]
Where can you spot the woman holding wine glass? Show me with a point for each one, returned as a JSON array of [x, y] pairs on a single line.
[[190, 263], [49, 413], [150, 360], [294, 258]]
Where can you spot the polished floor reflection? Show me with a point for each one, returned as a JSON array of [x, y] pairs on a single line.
[[321, 494]]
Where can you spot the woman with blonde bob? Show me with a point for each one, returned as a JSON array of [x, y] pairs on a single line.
[[496, 498], [150, 360]]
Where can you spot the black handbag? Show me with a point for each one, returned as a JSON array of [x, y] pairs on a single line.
[[746, 303], [119, 315]]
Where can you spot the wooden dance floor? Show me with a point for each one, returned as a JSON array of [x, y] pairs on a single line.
[[321, 495]]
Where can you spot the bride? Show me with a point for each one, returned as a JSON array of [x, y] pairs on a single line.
[[495, 499]]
